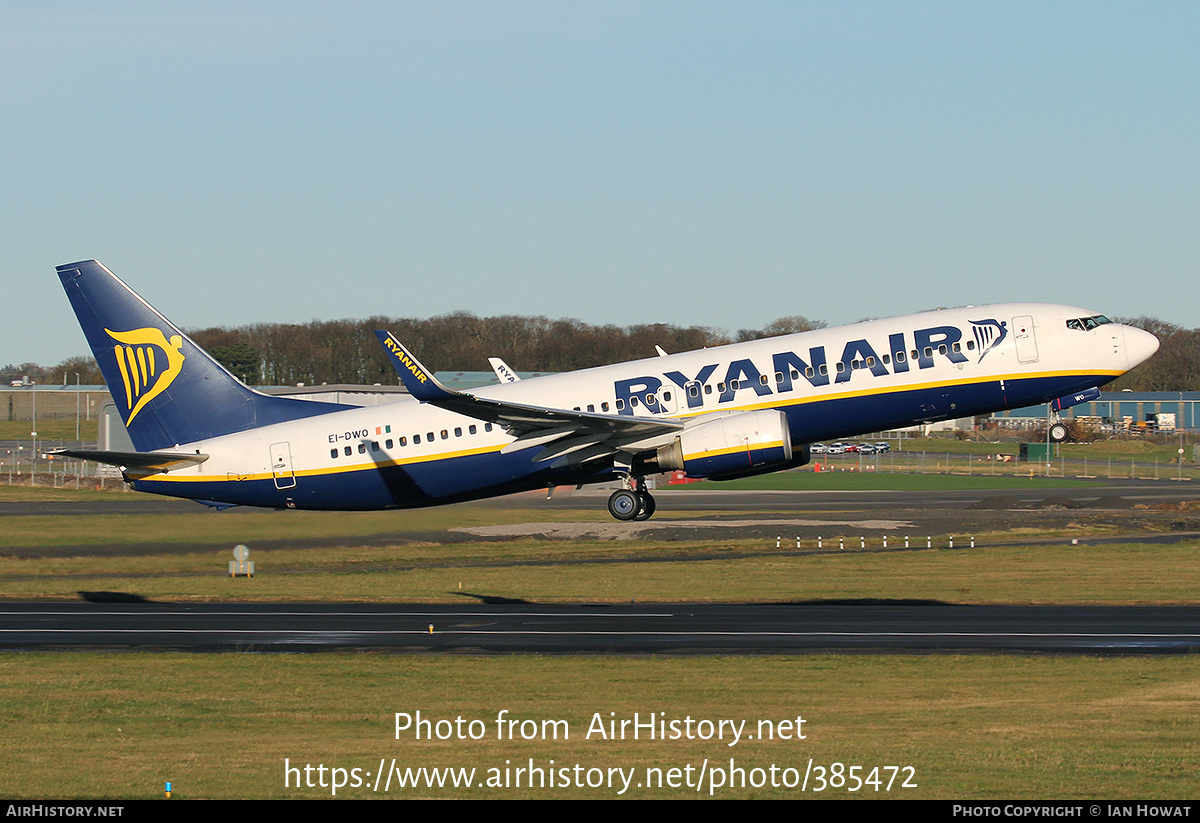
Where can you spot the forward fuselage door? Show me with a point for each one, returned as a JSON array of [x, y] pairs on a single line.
[[281, 465], [1023, 336]]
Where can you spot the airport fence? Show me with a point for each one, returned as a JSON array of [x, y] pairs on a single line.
[[930, 462], [26, 463]]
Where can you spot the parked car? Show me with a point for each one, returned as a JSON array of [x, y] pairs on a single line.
[[882, 446], [818, 448], [864, 448]]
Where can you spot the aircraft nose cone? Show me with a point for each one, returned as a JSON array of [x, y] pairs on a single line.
[[1139, 345]]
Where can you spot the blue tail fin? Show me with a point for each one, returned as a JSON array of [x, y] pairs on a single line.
[[169, 390]]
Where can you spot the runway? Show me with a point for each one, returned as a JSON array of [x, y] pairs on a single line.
[[605, 629], [481, 625]]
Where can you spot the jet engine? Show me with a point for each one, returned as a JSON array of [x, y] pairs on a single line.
[[735, 445]]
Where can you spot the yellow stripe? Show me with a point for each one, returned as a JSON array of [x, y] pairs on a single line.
[[342, 469], [778, 444], [781, 400]]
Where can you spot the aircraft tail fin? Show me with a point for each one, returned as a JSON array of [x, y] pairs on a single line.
[[169, 391]]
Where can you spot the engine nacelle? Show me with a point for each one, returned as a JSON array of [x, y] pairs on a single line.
[[734, 445]]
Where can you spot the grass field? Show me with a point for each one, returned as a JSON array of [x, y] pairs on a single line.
[[108, 725], [221, 726]]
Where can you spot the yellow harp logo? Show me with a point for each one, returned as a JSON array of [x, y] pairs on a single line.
[[148, 364]]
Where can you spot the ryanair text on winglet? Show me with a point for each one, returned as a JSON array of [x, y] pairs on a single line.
[[403, 357]]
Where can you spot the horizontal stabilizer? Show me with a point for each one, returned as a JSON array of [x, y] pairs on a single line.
[[136, 462]]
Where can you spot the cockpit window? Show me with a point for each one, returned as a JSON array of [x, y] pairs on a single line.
[[1087, 323]]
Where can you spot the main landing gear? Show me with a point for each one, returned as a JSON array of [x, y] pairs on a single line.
[[631, 504]]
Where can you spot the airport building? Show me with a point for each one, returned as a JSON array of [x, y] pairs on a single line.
[[1119, 411]]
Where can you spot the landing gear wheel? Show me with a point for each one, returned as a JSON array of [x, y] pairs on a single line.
[[646, 511], [624, 504], [1058, 432]]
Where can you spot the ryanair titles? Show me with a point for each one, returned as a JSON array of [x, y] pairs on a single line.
[[403, 359], [789, 367]]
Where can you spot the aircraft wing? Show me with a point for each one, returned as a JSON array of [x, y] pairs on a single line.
[[570, 431]]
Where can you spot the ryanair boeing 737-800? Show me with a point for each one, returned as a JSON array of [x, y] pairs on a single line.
[[720, 413]]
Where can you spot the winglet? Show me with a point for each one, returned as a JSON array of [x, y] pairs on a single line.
[[502, 370], [419, 381]]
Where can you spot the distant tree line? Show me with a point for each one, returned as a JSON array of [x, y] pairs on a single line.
[[1176, 366], [347, 351]]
